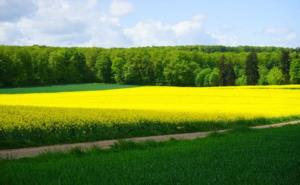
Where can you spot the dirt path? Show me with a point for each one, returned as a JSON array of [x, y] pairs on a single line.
[[106, 144]]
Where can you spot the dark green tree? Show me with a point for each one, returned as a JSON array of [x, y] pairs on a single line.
[[295, 70], [251, 69], [180, 73], [230, 74], [6, 70], [285, 66], [103, 68], [139, 69], [222, 71], [226, 72]]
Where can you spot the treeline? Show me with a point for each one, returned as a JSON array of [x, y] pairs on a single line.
[[180, 65]]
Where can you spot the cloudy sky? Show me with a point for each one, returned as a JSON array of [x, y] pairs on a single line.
[[127, 23]]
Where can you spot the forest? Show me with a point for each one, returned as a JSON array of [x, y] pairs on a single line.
[[175, 66]]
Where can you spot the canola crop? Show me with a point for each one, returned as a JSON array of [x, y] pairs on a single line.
[[48, 118]]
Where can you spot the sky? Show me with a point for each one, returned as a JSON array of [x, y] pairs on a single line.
[[133, 23]]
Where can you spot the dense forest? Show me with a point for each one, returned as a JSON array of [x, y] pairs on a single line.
[[178, 65]]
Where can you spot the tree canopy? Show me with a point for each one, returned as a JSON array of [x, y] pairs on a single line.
[[177, 65]]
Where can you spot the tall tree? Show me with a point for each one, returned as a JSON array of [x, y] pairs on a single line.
[[222, 71], [251, 69], [230, 74], [117, 69], [295, 70], [181, 73], [285, 66], [6, 70], [139, 69], [103, 68]]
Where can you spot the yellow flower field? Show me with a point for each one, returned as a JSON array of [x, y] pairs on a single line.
[[50, 118], [231, 102]]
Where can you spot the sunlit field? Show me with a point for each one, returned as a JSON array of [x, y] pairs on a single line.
[[58, 117], [208, 103]]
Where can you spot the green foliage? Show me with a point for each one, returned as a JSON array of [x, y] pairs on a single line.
[[295, 71], [213, 78], [139, 69], [226, 72], [40, 65], [263, 75], [242, 80], [203, 77], [275, 76], [285, 66], [103, 68], [6, 71], [180, 73], [251, 69], [118, 69]]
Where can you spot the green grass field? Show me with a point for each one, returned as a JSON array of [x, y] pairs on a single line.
[[63, 88], [245, 157]]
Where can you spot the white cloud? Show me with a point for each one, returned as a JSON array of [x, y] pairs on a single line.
[[184, 27], [120, 8], [81, 23], [276, 30], [227, 39], [281, 34], [64, 23], [159, 33], [94, 23]]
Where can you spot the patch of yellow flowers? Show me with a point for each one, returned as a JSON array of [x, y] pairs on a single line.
[[211, 103]]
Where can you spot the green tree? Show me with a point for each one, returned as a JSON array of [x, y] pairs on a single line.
[[43, 72], [103, 68], [222, 71], [242, 80], [68, 66], [214, 77], [230, 74], [275, 76], [6, 70], [202, 77], [58, 66], [139, 69], [263, 75], [251, 69], [295, 71], [24, 69], [180, 73], [226, 72], [78, 66], [117, 69], [285, 66]]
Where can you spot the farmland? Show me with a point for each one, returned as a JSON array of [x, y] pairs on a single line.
[[269, 157], [37, 116]]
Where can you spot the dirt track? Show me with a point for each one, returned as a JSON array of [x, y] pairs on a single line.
[[34, 151]]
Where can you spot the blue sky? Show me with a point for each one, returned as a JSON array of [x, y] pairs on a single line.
[[127, 23]]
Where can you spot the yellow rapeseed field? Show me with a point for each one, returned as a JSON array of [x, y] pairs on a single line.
[[51, 118], [207, 103]]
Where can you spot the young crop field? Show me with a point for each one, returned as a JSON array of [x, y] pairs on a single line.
[[268, 157], [30, 118]]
